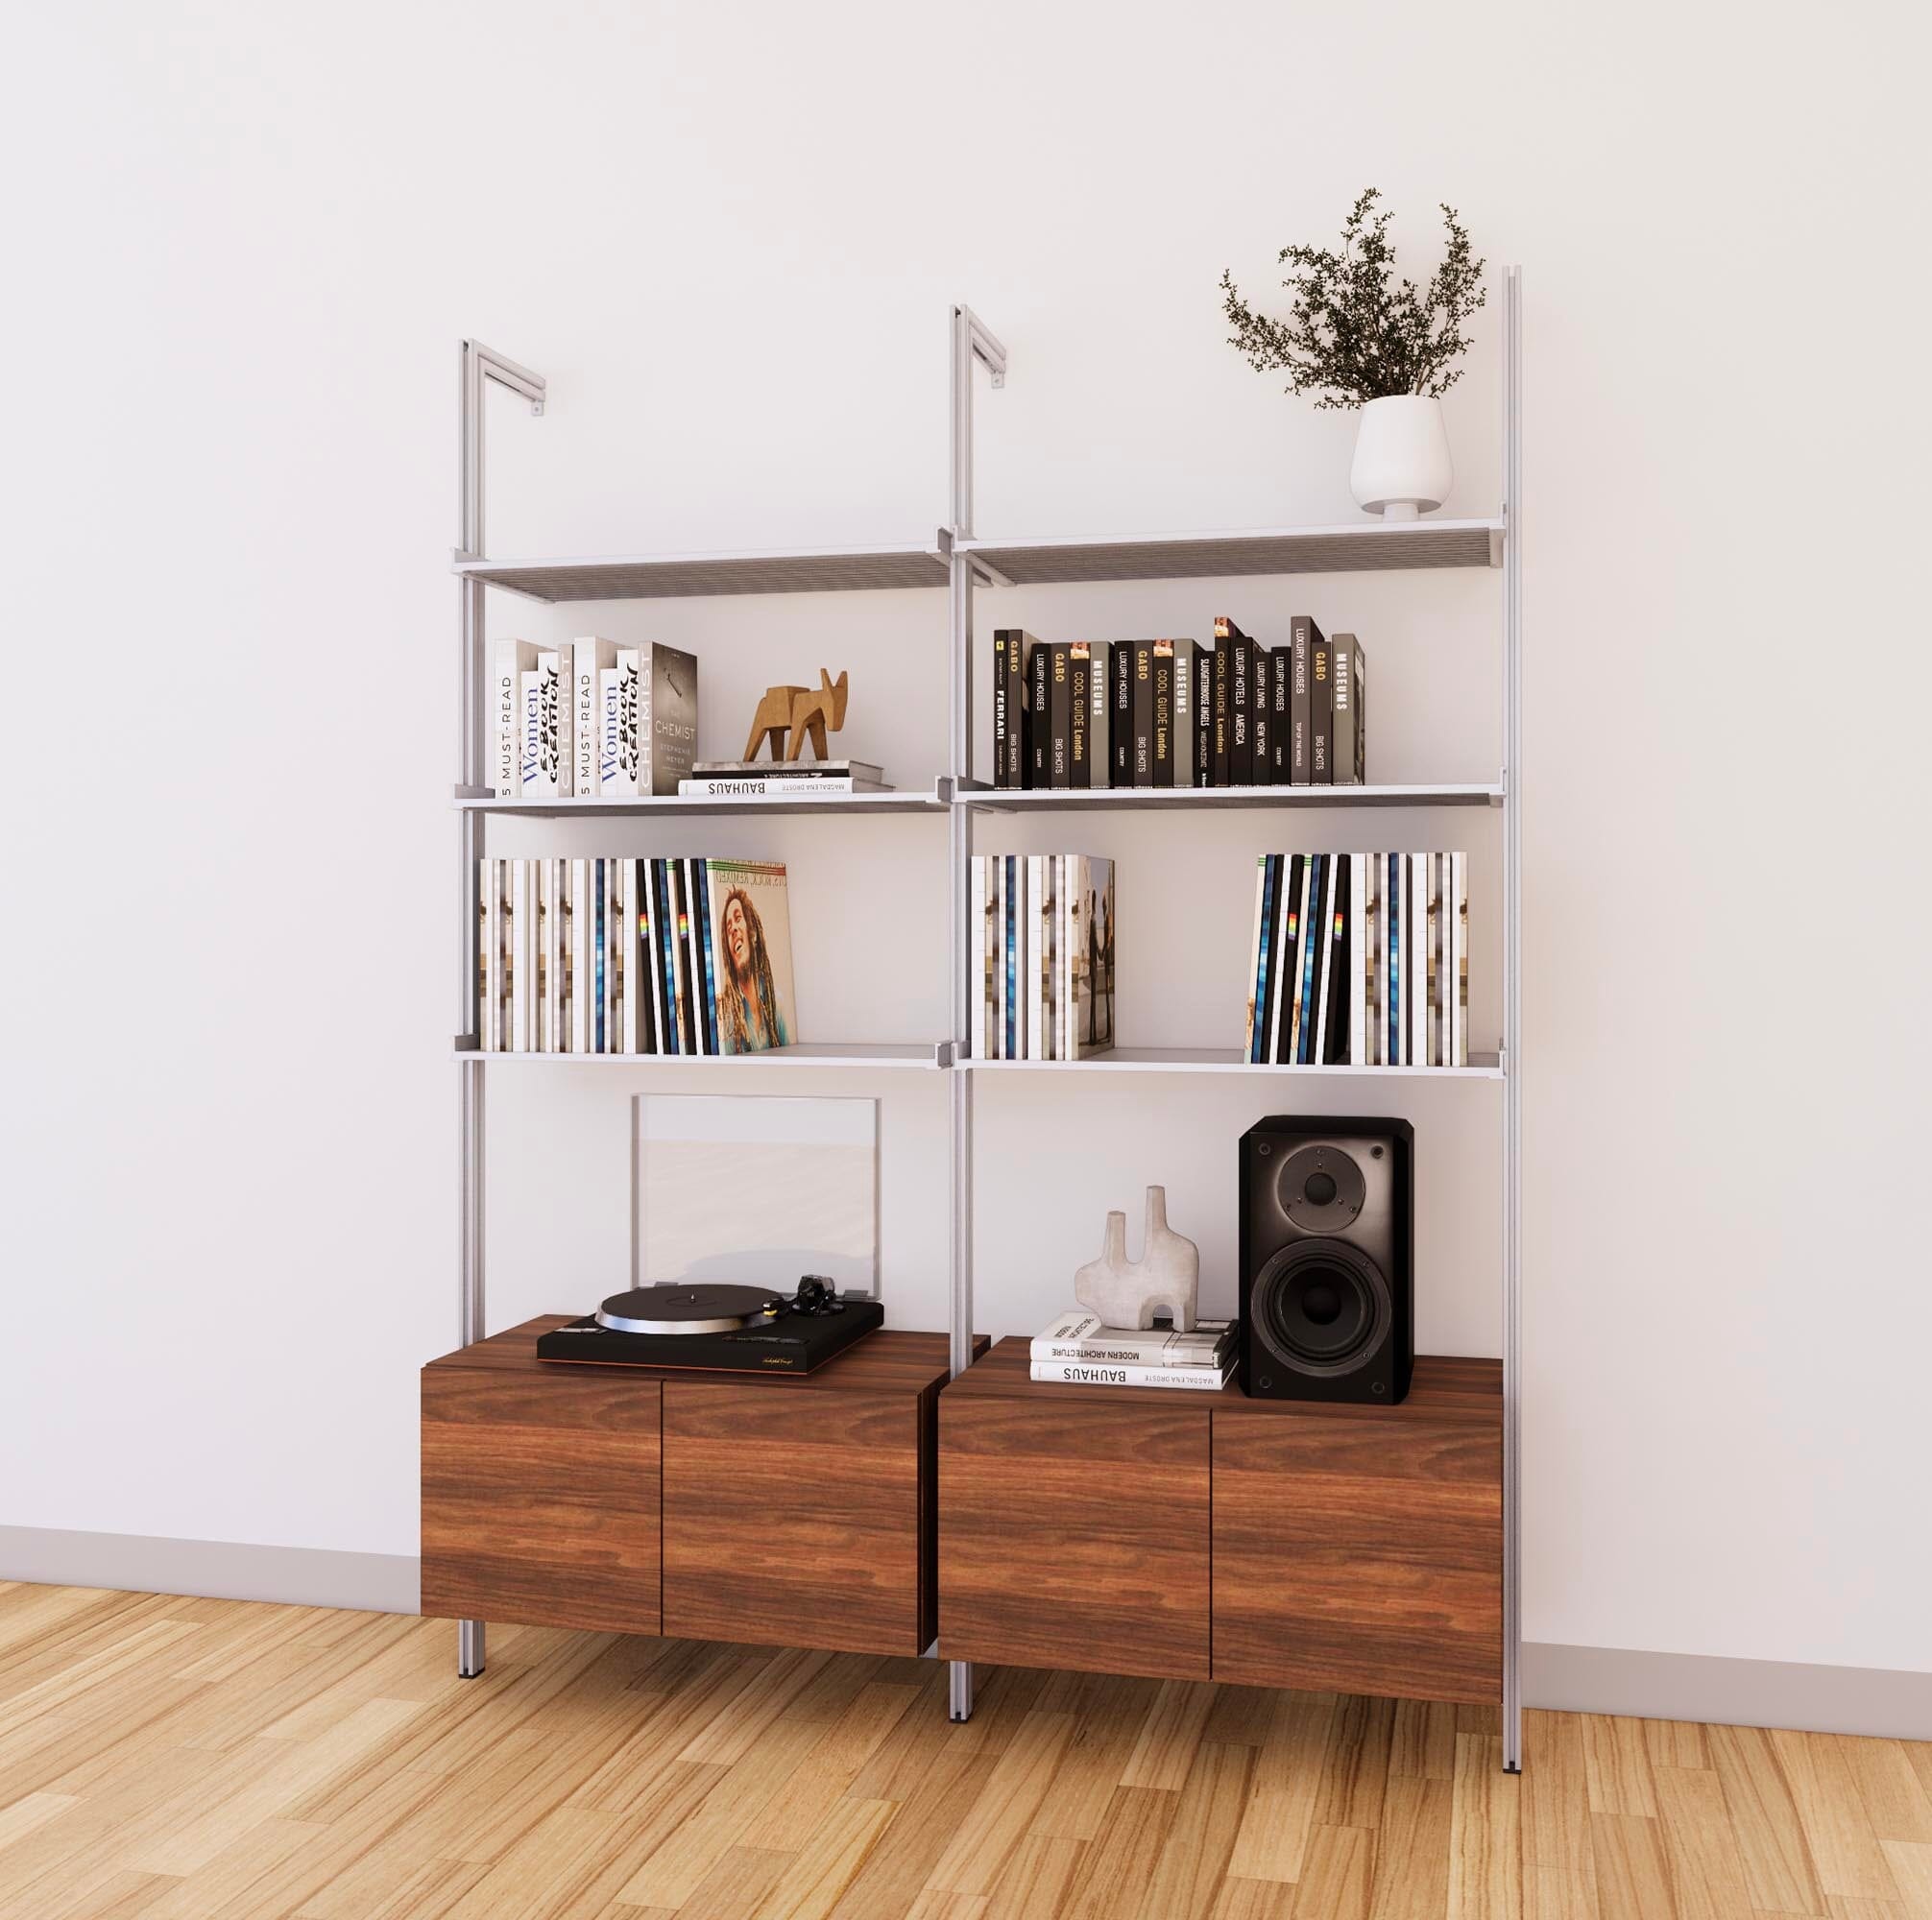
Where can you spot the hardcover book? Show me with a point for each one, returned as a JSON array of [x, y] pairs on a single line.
[[514, 659], [1184, 712], [1089, 969], [1302, 635], [1143, 652], [1079, 705], [1262, 726], [1220, 708], [1280, 772], [1162, 726], [1120, 721], [1085, 1373], [1040, 674], [1081, 1335], [1320, 712], [789, 770], [749, 907], [589, 658], [1240, 703], [1099, 713], [1345, 758], [1012, 742], [1060, 717], [556, 773]]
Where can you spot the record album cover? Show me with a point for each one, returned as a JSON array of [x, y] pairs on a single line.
[[751, 917]]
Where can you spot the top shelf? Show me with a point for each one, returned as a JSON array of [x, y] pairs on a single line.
[[1364, 547]]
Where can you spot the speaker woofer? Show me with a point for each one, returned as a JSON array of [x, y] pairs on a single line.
[[1320, 1306]]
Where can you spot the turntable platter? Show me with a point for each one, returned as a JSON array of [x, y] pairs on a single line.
[[707, 1307]]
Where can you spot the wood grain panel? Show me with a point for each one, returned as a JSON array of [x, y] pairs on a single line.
[[540, 1500], [1074, 1534], [1362, 1557], [793, 1520]]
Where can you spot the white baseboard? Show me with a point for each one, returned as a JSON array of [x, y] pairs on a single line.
[[1576, 1679], [223, 1570], [1735, 1693]]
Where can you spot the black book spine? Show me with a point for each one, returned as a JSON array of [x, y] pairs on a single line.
[[1164, 713], [1080, 734], [1185, 699], [1219, 715], [1203, 672], [1301, 635], [1142, 723], [1341, 945], [1000, 638], [1345, 752], [1060, 718], [1263, 726], [1277, 739], [1239, 714], [1281, 1002], [1040, 678], [1320, 712], [1122, 657]]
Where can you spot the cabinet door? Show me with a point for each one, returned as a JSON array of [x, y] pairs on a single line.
[[792, 1517], [1074, 1535], [1358, 1556], [540, 1499]]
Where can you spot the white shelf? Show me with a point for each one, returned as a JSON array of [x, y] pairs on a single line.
[[815, 1054], [673, 576], [1359, 547], [1228, 1060], [841, 804], [1185, 799]]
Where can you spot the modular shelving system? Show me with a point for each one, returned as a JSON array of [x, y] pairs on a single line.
[[961, 564]]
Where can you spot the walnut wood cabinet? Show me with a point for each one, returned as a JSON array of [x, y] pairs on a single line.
[[790, 1512], [1143, 1531]]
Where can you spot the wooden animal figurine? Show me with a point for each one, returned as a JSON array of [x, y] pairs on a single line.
[[773, 717], [814, 713], [1167, 1275]]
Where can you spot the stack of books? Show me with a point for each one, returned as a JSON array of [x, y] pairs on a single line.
[[1166, 713], [592, 720], [1078, 1351], [679, 958], [791, 780], [1360, 960], [1042, 956]]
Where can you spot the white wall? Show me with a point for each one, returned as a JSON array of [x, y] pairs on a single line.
[[242, 246]]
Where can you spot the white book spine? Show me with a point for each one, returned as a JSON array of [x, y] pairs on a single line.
[[609, 731], [1029, 964], [556, 778], [1459, 986], [1078, 1372], [566, 956], [529, 733], [1358, 938], [1064, 867], [999, 955], [513, 658], [628, 677], [748, 786], [545, 972], [1045, 918], [519, 972], [1440, 1044], [1419, 962], [581, 919], [589, 657], [613, 998], [489, 958]]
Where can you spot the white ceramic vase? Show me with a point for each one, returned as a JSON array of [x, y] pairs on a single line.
[[1166, 1277], [1401, 457]]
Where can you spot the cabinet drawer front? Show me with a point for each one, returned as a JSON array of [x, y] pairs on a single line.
[[1358, 1556], [792, 1517], [1074, 1535], [540, 1500]]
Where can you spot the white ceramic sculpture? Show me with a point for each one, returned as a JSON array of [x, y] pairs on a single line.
[[1402, 466], [1166, 1277]]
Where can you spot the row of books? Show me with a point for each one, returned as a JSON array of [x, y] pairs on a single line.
[[1043, 957], [1360, 960], [1165, 714], [672, 957], [1078, 1351], [590, 719], [773, 779]]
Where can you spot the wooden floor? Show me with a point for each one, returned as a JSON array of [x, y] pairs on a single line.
[[206, 1759]]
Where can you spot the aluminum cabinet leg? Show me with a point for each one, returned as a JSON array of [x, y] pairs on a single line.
[[959, 1689], [468, 1649]]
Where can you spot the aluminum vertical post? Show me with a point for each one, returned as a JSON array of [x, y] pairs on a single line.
[[969, 341], [475, 365], [1513, 1017]]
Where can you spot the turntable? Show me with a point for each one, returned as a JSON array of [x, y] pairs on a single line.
[[717, 1328]]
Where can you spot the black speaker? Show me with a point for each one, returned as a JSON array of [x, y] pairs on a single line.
[[1327, 1260]]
